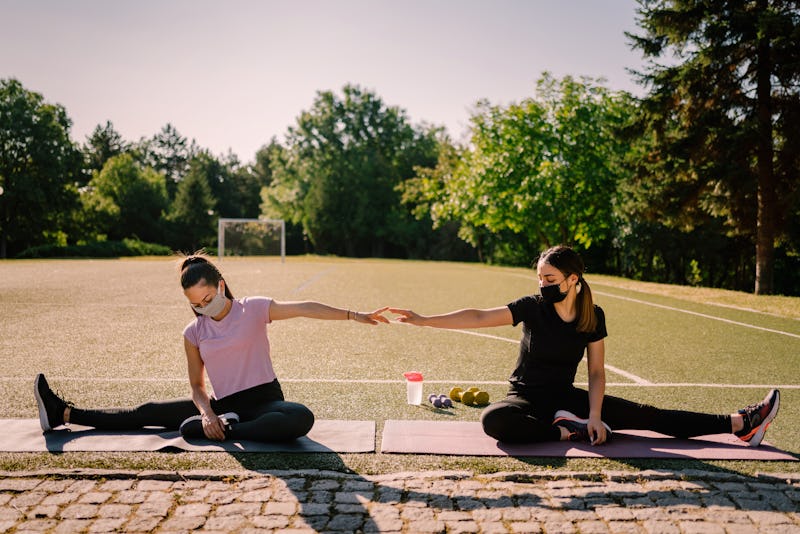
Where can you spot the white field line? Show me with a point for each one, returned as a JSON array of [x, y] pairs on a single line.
[[637, 380], [698, 314], [716, 304], [395, 381], [629, 376], [313, 279], [672, 308]]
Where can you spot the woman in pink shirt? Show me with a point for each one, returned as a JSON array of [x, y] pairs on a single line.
[[227, 340]]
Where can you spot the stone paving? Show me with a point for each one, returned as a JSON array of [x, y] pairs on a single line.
[[447, 501]]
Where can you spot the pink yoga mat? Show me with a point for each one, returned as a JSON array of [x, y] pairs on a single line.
[[466, 438], [25, 435]]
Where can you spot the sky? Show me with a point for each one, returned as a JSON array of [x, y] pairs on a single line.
[[232, 75]]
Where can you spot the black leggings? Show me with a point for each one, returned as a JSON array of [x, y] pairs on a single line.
[[263, 415], [529, 418]]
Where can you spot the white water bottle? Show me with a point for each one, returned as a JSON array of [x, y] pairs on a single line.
[[413, 387]]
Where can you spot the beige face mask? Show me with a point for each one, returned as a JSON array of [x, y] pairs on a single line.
[[215, 307]]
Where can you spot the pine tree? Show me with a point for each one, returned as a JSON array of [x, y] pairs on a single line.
[[722, 110]]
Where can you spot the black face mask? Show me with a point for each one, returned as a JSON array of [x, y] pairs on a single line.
[[552, 294]]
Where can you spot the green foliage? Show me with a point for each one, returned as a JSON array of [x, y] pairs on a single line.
[[539, 172], [338, 174], [169, 153], [262, 166], [38, 167], [235, 187], [719, 126], [126, 200], [97, 249], [192, 217], [103, 144]]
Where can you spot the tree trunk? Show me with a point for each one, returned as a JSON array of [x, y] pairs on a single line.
[[767, 197]]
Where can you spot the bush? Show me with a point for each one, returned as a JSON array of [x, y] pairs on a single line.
[[98, 249]]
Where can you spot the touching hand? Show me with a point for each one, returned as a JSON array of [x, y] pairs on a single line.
[[371, 318], [408, 316]]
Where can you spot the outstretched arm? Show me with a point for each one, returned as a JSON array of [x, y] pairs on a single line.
[[317, 310], [467, 318]]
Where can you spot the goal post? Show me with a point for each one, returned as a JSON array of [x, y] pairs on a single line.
[[251, 237]]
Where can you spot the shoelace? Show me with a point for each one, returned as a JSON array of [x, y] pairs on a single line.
[[752, 414], [67, 403]]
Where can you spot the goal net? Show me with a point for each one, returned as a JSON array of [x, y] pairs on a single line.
[[251, 237]]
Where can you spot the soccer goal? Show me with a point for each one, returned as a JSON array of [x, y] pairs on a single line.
[[251, 237]]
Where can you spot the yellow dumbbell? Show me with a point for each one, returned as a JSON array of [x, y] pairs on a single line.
[[468, 397], [473, 396], [481, 398]]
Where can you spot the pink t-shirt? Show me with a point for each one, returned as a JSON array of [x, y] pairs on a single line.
[[235, 350]]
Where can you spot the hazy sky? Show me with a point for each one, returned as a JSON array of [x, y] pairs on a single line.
[[233, 74]]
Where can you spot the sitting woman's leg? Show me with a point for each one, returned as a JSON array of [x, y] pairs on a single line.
[[54, 412], [513, 420], [166, 414], [621, 414], [274, 421]]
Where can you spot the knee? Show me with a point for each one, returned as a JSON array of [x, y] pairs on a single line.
[[304, 419], [494, 421]]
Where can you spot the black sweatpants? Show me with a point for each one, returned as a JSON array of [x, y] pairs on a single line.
[[263, 413], [529, 418]]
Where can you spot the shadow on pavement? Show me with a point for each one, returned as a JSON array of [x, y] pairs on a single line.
[[330, 496]]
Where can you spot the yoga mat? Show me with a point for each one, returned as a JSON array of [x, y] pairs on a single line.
[[468, 439], [25, 435]]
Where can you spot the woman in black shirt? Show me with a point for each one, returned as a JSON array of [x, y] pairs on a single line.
[[559, 325]]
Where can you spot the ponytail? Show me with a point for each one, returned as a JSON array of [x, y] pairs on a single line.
[[587, 318]]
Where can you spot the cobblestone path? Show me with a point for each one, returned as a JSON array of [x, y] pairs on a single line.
[[447, 501]]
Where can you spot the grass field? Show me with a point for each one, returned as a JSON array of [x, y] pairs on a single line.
[[108, 333]]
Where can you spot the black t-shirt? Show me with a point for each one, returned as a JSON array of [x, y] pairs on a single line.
[[551, 349]]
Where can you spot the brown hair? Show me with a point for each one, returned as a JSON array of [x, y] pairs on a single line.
[[569, 262], [197, 267]]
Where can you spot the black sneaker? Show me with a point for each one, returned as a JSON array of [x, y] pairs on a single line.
[[192, 427], [757, 418], [51, 406], [578, 428]]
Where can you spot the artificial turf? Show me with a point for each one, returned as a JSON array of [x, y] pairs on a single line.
[[108, 333]]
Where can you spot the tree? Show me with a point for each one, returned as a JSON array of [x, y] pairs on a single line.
[[235, 188], [39, 165], [128, 200], [103, 144], [192, 214], [537, 173], [169, 153], [262, 167], [338, 173], [723, 114]]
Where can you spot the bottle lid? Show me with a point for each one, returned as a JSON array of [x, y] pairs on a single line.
[[413, 376]]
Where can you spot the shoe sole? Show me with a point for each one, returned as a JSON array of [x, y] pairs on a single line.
[[564, 414], [43, 420], [755, 441]]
